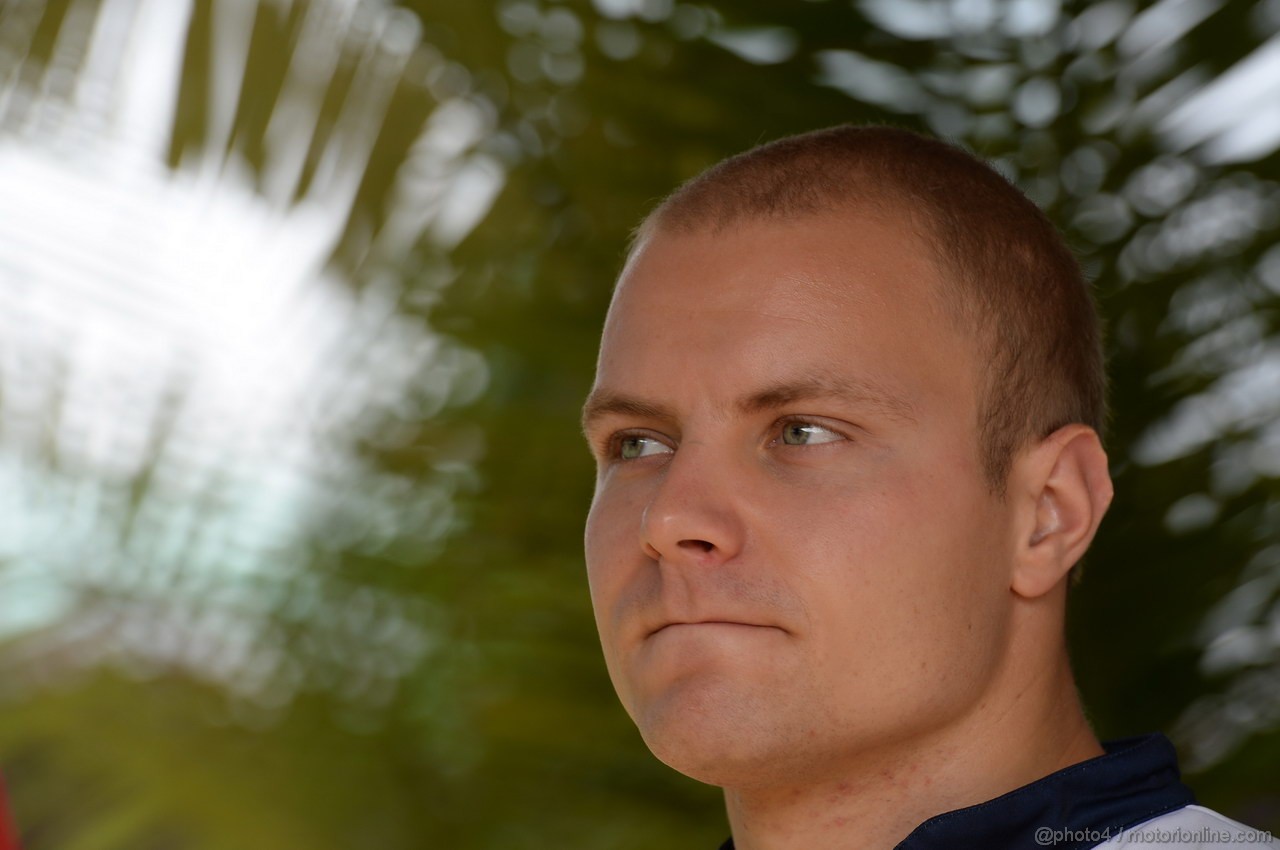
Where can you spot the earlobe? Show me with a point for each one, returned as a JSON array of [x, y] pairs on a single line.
[[1064, 489]]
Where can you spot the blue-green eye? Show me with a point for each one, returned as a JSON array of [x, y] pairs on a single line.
[[807, 434], [635, 446]]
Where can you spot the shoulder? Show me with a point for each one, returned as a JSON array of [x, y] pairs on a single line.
[[1192, 828]]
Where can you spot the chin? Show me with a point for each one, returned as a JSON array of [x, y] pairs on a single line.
[[723, 761], [718, 738]]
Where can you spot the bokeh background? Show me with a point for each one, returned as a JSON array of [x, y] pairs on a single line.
[[298, 303]]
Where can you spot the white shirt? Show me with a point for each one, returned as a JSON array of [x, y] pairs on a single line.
[[1192, 828]]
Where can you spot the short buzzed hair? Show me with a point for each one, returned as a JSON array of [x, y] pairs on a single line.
[[1011, 280]]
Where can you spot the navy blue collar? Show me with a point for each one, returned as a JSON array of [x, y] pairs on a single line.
[[1135, 781]]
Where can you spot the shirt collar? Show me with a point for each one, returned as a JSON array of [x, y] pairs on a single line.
[[1137, 779]]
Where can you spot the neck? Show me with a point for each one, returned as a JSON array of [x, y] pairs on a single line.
[[1026, 727]]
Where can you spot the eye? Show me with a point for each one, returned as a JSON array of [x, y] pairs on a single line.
[[807, 434], [635, 446]]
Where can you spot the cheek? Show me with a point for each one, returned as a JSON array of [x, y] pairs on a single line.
[[620, 577], [907, 600], [612, 545], [599, 543]]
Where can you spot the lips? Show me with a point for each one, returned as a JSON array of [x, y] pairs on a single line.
[[738, 623]]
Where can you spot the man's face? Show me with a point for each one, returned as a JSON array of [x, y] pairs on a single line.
[[793, 556]]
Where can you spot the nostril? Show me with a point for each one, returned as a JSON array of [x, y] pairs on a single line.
[[703, 546]]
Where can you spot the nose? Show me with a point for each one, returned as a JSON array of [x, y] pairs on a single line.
[[694, 516]]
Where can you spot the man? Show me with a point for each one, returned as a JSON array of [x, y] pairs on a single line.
[[846, 421]]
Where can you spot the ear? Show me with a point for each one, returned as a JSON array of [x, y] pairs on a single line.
[[1062, 489]]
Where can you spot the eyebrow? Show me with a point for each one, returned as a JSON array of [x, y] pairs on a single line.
[[602, 403], [864, 393], [860, 391]]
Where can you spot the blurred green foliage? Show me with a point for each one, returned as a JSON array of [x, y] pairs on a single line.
[[503, 730]]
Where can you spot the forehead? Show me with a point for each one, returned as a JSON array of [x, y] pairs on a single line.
[[833, 272], [855, 253], [711, 318]]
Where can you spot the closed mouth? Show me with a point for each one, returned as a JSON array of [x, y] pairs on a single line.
[[711, 623]]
